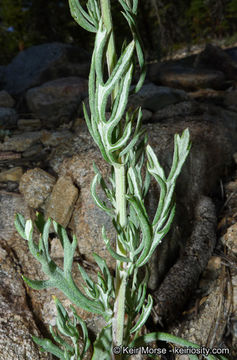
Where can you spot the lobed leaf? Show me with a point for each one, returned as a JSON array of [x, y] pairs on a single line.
[[81, 17], [146, 310]]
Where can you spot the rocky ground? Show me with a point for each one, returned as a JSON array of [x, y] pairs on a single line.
[[46, 157]]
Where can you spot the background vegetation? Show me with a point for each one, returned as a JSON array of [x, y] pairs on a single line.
[[165, 24]]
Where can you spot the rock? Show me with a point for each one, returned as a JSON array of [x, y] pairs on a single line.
[[182, 278], [88, 219], [78, 125], [10, 204], [17, 324], [231, 186], [226, 118], [2, 75], [8, 118], [154, 98], [55, 101], [176, 110], [232, 52], [40, 63], [13, 174], [20, 142], [33, 151], [36, 185], [79, 143], [230, 100], [54, 138], [210, 145], [60, 204], [146, 115], [208, 95], [198, 328], [177, 76], [9, 156], [214, 57], [29, 124], [6, 100], [231, 239]]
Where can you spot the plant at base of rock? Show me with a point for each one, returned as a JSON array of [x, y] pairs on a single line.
[[121, 299]]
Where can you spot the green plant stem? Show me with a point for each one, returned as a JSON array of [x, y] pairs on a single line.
[[121, 273], [111, 56]]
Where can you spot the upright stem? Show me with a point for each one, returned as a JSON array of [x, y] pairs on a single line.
[[111, 56], [121, 273], [120, 183]]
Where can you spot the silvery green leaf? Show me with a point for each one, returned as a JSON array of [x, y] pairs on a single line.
[[99, 203], [105, 270], [93, 10], [153, 165], [145, 227], [91, 83], [45, 237], [120, 101], [114, 254], [92, 291], [135, 5], [109, 192], [20, 225], [37, 284], [58, 278], [142, 295], [124, 5], [103, 345], [121, 67], [40, 222], [86, 340], [130, 16], [146, 184], [132, 143], [80, 16], [88, 122], [100, 45], [134, 180], [182, 147], [159, 235], [57, 338], [146, 310], [29, 229], [122, 140], [49, 346], [68, 328], [68, 249]]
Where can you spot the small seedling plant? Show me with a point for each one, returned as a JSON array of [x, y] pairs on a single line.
[[121, 299]]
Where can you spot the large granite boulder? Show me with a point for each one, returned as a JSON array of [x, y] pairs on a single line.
[[154, 98], [56, 101], [8, 118], [187, 78], [6, 100], [213, 57], [37, 64]]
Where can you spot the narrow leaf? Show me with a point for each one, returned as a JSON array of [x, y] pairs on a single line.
[[47, 345], [20, 225], [146, 310]]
